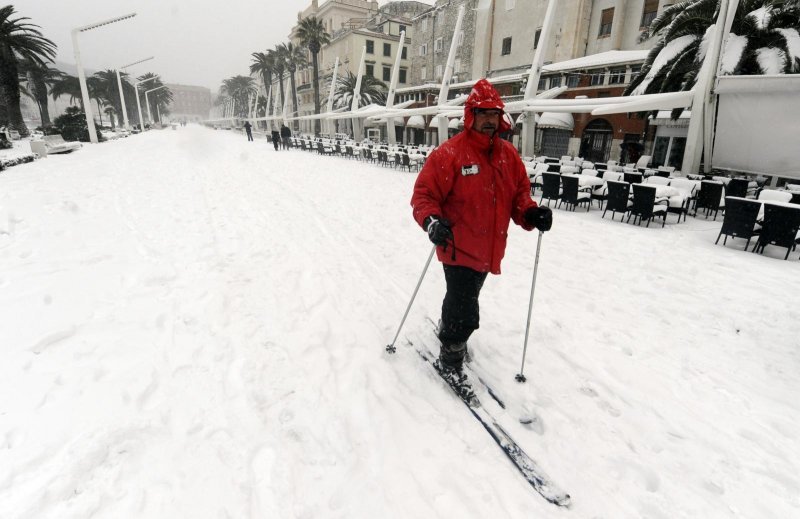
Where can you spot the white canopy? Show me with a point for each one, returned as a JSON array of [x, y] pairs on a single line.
[[455, 124], [556, 120], [416, 121]]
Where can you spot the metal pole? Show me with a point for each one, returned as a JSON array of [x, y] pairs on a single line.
[[87, 104], [122, 100], [390, 131], [520, 377], [357, 126], [391, 348], [448, 73], [528, 137], [149, 112], [331, 122], [139, 103]]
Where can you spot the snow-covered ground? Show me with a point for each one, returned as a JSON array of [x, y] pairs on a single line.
[[194, 326]]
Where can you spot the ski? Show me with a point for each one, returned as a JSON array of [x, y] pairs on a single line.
[[526, 466]]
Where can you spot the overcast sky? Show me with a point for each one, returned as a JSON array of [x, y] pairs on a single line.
[[195, 42]]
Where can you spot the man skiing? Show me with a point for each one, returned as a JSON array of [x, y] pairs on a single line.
[[467, 193], [248, 128]]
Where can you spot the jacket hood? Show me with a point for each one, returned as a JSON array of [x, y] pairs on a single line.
[[484, 95]]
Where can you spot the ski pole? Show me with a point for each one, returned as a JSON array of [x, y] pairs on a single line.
[[520, 377], [391, 348]]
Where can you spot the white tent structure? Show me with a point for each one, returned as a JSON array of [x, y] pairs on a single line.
[[556, 113]]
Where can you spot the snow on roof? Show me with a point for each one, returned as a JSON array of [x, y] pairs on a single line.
[[602, 59]]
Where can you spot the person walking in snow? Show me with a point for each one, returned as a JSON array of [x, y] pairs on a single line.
[[467, 193], [276, 139], [248, 128], [286, 133]]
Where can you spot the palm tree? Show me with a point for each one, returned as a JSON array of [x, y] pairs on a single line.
[[240, 89], [373, 90], [279, 57], [264, 64], [110, 112], [312, 34], [160, 99], [39, 79], [106, 88], [68, 85], [19, 40], [295, 57], [758, 43]]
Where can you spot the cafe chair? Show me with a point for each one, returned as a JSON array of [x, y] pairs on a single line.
[[779, 228], [740, 220], [645, 206], [709, 198], [571, 194], [551, 187], [618, 198]]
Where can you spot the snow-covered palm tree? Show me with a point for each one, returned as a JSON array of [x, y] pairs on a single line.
[[372, 91], [764, 39]]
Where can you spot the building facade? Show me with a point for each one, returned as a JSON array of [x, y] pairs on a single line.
[[189, 103]]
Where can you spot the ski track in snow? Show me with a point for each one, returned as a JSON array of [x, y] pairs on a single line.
[[194, 326]]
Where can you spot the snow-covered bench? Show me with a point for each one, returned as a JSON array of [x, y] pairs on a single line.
[[57, 144]]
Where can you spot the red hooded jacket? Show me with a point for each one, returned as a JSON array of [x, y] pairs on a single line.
[[479, 184]]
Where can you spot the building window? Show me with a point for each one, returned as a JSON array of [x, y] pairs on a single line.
[[404, 55], [510, 4], [617, 76], [387, 73], [506, 46], [573, 80], [598, 78], [402, 77], [460, 38], [439, 45], [542, 84], [370, 47], [649, 13], [370, 70], [438, 71], [402, 28], [423, 49], [424, 25], [536, 38], [606, 19], [423, 73], [555, 82], [387, 49]]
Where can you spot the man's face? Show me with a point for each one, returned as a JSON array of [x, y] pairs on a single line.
[[487, 120]]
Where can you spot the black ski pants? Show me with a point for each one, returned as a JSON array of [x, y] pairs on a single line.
[[460, 313], [249, 135]]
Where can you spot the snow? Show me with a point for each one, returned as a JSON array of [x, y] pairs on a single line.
[[770, 60], [667, 54], [762, 16], [732, 54], [792, 42], [194, 326], [601, 59]]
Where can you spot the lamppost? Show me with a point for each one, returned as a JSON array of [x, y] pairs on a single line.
[[149, 113], [138, 103], [122, 95], [82, 76]]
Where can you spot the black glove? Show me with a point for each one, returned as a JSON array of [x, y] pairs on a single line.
[[540, 217], [439, 231]]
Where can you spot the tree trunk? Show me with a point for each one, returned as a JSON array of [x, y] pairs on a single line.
[[9, 95], [283, 94], [296, 124], [315, 65], [99, 112], [39, 92]]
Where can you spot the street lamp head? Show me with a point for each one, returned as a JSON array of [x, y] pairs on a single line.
[[107, 22], [137, 62]]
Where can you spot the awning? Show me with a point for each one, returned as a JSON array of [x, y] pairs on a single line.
[[416, 121], [455, 124], [556, 120], [665, 117]]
